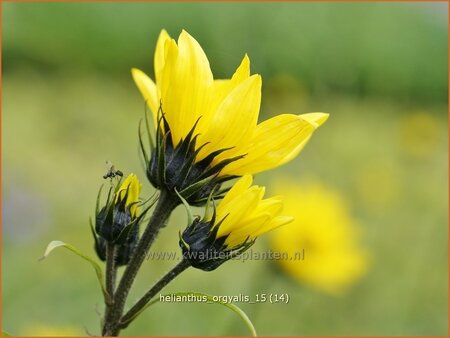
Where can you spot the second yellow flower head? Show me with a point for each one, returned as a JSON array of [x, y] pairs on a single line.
[[238, 220]]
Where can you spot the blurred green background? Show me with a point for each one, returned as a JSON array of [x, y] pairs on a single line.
[[69, 104]]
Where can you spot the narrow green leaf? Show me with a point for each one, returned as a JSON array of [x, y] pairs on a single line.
[[94, 234], [6, 334], [187, 206], [208, 214], [141, 144], [109, 195], [149, 129], [97, 202], [210, 298], [98, 271], [192, 189], [118, 184], [162, 158]]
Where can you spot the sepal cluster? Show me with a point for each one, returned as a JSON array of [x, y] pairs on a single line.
[[203, 249], [175, 168]]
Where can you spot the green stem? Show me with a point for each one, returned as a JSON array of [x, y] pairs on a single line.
[[141, 303], [166, 204]]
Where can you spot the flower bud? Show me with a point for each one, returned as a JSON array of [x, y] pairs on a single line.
[[120, 211], [123, 252], [238, 220], [119, 220]]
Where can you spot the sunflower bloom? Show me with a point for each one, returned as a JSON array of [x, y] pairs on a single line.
[[238, 220], [210, 125], [333, 258]]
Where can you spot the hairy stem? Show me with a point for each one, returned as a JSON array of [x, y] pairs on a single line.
[[141, 303], [110, 278], [166, 204], [111, 269]]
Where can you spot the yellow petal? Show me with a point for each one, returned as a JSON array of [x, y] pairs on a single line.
[[245, 230], [234, 120], [273, 224], [222, 88], [170, 61], [219, 91], [133, 186], [237, 189], [237, 208], [242, 72], [186, 78], [257, 221], [159, 59], [256, 227], [276, 141], [316, 119], [272, 206], [148, 90]]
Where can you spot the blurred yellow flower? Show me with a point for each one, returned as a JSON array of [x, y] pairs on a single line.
[[377, 184], [323, 228], [226, 111], [48, 330], [420, 134]]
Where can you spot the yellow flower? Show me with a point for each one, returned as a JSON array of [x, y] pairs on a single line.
[[323, 228], [226, 110], [238, 220], [246, 215], [130, 190], [378, 184], [46, 330], [421, 134]]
